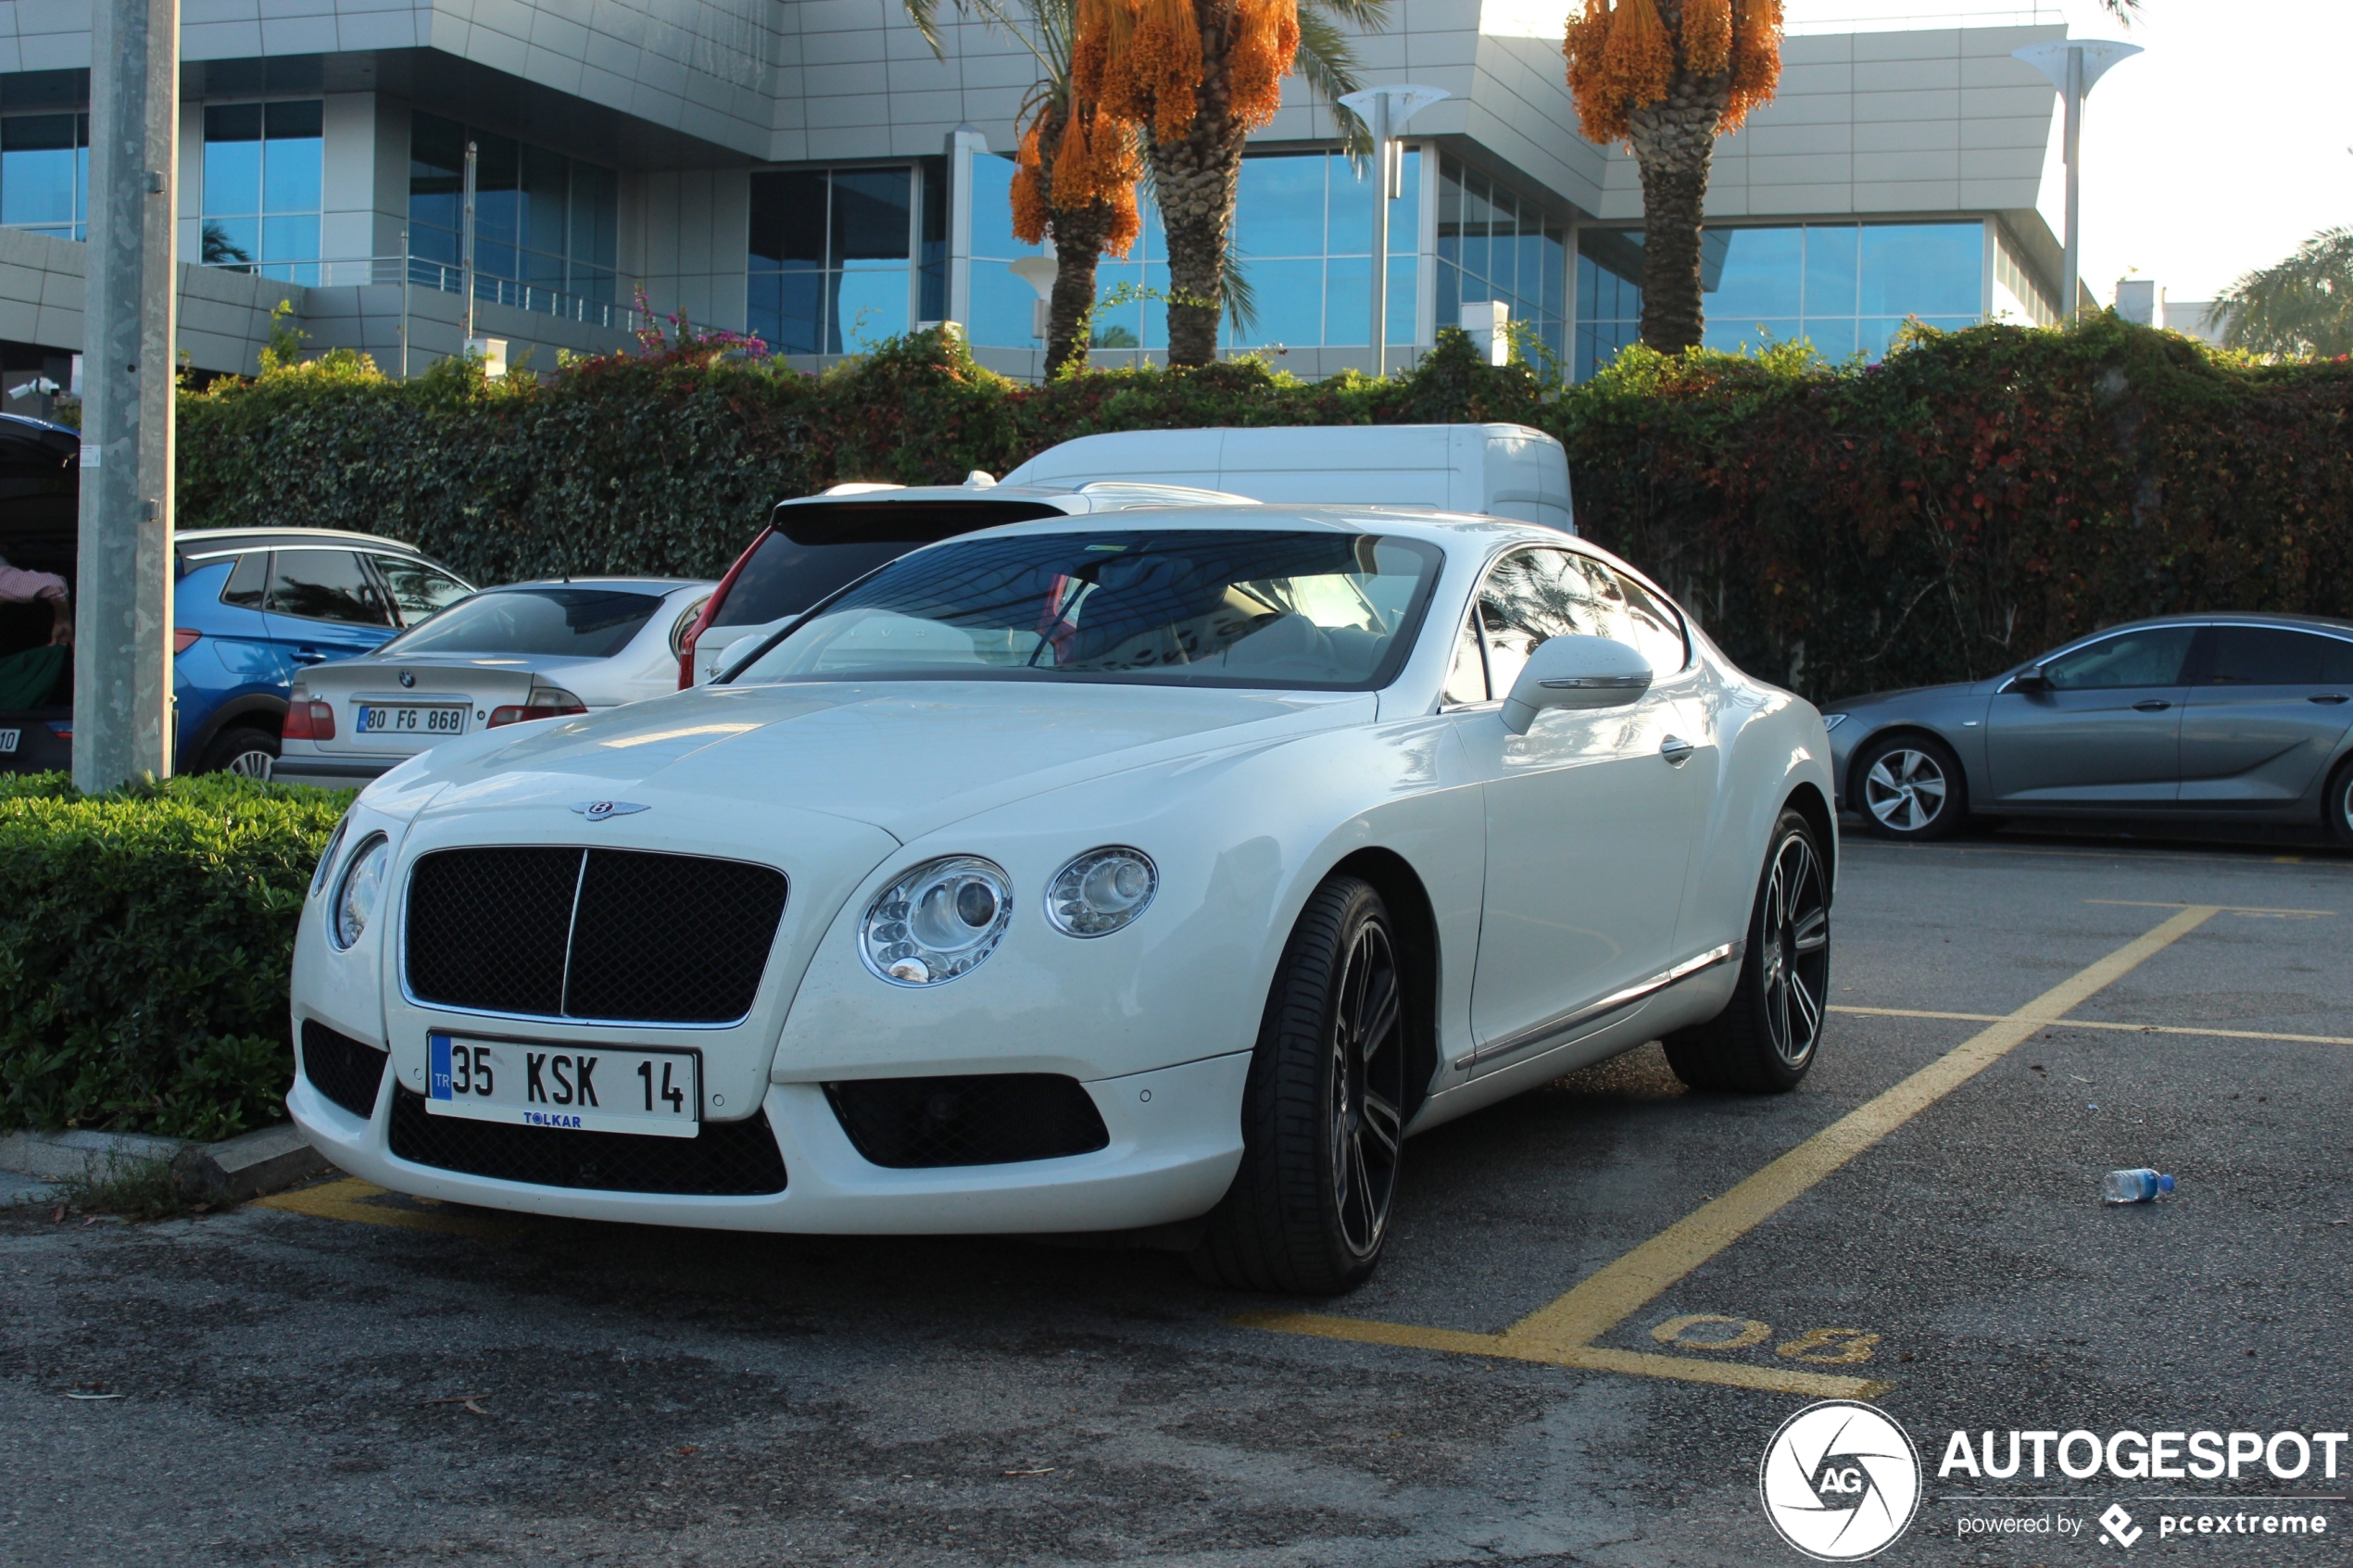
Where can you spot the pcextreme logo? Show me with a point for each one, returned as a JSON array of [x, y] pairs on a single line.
[[1840, 1481]]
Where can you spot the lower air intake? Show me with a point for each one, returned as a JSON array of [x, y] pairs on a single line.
[[725, 1160], [348, 1072], [986, 1119]]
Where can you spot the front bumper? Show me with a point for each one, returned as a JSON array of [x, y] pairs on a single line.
[[1176, 1142]]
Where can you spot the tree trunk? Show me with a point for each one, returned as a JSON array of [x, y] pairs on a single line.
[[1195, 180], [1674, 143], [1079, 244]]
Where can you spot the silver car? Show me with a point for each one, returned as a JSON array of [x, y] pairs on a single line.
[[2222, 717], [506, 656]]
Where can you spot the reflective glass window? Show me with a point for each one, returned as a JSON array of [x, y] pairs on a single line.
[[325, 585], [419, 590], [1922, 269], [545, 226], [831, 257], [263, 173], [45, 173], [2151, 656], [1303, 238], [2272, 656], [1466, 677], [1532, 596]]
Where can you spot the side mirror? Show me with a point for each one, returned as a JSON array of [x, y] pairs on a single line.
[[2030, 679], [1575, 671], [732, 652]]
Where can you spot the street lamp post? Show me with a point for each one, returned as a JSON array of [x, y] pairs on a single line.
[[1386, 110], [123, 628], [2072, 65]]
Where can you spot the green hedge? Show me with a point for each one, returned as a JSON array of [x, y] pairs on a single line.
[[144, 944], [1974, 498]]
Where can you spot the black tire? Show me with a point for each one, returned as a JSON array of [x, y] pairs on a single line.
[[1910, 787], [241, 750], [1764, 1041], [1322, 1114], [2336, 806]]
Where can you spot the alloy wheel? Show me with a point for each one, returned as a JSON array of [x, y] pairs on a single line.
[[254, 764], [1368, 1088], [1905, 790], [1795, 964]]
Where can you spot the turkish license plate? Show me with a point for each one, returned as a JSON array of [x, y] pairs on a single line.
[[9, 739], [376, 719], [587, 1088]]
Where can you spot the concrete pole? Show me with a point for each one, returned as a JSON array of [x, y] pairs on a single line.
[[1382, 147], [2071, 288], [123, 628]]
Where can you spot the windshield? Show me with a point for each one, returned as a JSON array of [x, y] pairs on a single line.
[[565, 622], [1296, 612]]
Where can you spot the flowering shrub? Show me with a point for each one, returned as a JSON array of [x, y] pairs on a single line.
[[1953, 511]]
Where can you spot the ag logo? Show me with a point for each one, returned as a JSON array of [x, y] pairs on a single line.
[[1840, 1481]]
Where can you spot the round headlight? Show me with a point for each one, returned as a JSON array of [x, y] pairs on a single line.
[[359, 892], [937, 922], [327, 859], [1101, 891]]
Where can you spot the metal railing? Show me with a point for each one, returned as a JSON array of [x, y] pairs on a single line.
[[417, 272]]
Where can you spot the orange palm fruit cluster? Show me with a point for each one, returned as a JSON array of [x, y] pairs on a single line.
[[1093, 160], [1141, 61], [1624, 53]]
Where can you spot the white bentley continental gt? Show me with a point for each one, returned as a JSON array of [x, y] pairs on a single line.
[[1147, 872]]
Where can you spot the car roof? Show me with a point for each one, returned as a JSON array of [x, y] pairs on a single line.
[[1455, 529], [213, 541], [625, 584], [2226, 618]]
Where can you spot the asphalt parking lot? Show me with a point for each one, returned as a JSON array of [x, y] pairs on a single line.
[[1602, 1300]]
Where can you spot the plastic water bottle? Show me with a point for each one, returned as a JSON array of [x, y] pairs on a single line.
[[2134, 1186]]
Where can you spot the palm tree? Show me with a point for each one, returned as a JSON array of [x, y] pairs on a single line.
[[2301, 306], [1197, 77], [1667, 77], [1075, 172]]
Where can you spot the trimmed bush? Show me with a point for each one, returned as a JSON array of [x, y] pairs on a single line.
[[1973, 499], [145, 938]]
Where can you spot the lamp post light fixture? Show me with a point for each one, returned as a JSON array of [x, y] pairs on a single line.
[[2072, 65], [1386, 110], [1039, 272]]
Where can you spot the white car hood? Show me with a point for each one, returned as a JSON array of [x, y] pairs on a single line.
[[906, 757]]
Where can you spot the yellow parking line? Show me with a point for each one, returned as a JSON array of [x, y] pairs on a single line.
[[2103, 1024], [1563, 1332], [350, 1198], [2225, 908]]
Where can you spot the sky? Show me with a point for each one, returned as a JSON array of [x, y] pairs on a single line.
[[2218, 151]]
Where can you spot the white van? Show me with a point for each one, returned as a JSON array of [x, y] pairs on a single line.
[[1501, 470]]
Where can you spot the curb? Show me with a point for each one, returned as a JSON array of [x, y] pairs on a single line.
[[232, 1170]]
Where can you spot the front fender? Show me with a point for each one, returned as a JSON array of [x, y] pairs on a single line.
[[1242, 838]]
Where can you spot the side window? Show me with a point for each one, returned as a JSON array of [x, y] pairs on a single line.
[[2337, 668], [246, 583], [2272, 656], [325, 585], [1467, 680], [417, 590], [2150, 657], [1654, 626], [1530, 596]]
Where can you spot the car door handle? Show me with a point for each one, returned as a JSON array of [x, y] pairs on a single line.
[[309, 655], [2153, 705], [1675, 750], [2331, 698]]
